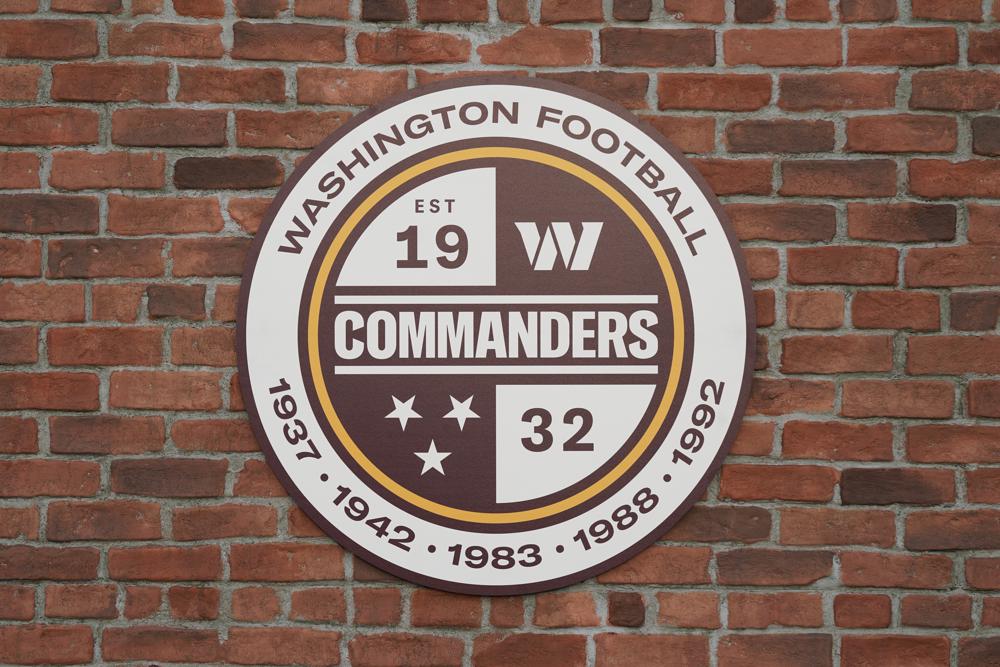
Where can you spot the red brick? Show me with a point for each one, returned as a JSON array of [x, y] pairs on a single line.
[[539, 47], [948, 443], [256, 604], [767, 567], [787, 47], [286, 562], [156, 643], [813, 650], [762, 263], [288, 41], [260, 8], [867, 10], [953, 355], [360, 87], [937, 611], [693, 134], [807, 10], [962, 529], [105, 434], [178, 40], [953, 266], [956, 10], [249, 212], [384, 10], [18, 170], [941, 178], [57, 40], [100, 346], [194, 563], [19, 82], [49, 391], [203, 347], [48, 214], [984, 398], [213, 435], [386, 650], [18, 522], [565, 610], [902, 46], [753, 439], [209, 256], [755, 11], [412, 46], [293, 129], [283, 646], [729, 177], [722, 524], [440, 609], [168, 127], [455, 11], [103, 520], [656, 48], [110, 82], [46, 644], [884, 486], [894, 650], [928, 399], [193, 604], [235, 172], [697, 11], [17, 603], [858, 610], [983, 573], [760, 610], [82, 171], [810, 527], [760, 482], [200, 8], [689, 610], [224, 521], [632, 10], [256, 479], [163, 215], [814, 310], [48, 126], [878, 570], [780, 136], [986, 134], [901, 134], [849, 265], [837, 91], [81, 601], [779, 396], [18, 345], [105, 257], [529, 650], [720, 92], [221, 84], [621, 650], [901, 222], [165, 390], [183, 301], [626, 610], [955, 90], [839, 178], [662, 565], [338, 9], [837, 441], [506, 612], [87, 6], [39, 563], [836, 354], [142, 601], [18, 435], [571, 11], [165, 477], [378, 606], [320, 604], [984, 46], [983, 485], [973, 651]]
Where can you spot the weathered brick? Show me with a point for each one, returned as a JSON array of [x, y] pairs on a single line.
[[412, 46], [168, 127], [536, 46], [177, 40], [169, 477], [110, 82]]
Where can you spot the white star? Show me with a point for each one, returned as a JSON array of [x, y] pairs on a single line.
[[460, 411], [403, 411], [432, 459]]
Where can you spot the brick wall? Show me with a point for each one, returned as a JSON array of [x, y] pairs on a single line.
[[855, 146]]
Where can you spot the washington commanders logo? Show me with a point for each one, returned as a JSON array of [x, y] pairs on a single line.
[[495, 336]]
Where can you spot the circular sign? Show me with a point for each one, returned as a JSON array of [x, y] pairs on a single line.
[[496, 335]]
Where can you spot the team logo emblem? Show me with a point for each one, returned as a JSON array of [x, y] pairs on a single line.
[[495, 336]]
